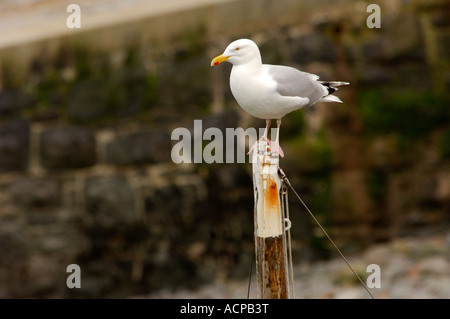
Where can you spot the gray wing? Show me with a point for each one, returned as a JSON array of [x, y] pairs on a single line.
[[292, 82]]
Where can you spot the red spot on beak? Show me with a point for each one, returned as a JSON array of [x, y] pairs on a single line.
[[216, 63]]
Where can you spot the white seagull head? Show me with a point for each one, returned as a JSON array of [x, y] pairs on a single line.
[[239, 52]]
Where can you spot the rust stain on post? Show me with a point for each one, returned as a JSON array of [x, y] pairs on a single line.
[[268, 213], [272, 194]]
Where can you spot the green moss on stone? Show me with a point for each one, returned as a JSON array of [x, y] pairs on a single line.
[[377, 185], [313, 153], [444, 144], [407, 112], [194, 44], [293, 125], [321, 200], [9, 78]]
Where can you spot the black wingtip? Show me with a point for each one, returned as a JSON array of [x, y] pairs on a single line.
[[330, 89]]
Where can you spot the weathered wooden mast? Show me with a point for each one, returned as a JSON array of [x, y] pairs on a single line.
[[270, 241]]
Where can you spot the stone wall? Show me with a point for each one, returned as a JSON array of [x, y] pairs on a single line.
[[86, 175]]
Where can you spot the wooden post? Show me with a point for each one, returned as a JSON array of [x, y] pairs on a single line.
[[270, 242]]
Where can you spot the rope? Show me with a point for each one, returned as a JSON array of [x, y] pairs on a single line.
[[288, 183], [287, 228]]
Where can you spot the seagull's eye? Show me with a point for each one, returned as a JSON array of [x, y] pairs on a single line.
[[237, 49]]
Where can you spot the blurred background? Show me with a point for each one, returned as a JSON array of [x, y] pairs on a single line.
[[86, 175]]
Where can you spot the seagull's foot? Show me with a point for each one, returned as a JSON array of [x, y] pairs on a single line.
[[264, 139], [273, 146], [276, 148], [251, 149]]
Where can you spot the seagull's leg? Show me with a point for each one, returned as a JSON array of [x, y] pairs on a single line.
[[275, 146], [266, 131], [264, 137]]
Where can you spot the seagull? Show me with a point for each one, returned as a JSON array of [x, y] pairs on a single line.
[[270, 91]]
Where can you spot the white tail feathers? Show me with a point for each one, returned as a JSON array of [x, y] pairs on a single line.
[[338, 83], [331, 98], [333, 83], [331, 88]]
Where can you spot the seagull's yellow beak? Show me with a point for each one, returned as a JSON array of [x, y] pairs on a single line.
[[219, 59]]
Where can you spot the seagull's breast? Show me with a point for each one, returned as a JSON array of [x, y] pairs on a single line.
[[256, 92], [250, 86]]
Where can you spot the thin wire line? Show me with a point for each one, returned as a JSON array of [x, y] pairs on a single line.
[[285, 179], [287, 234]]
